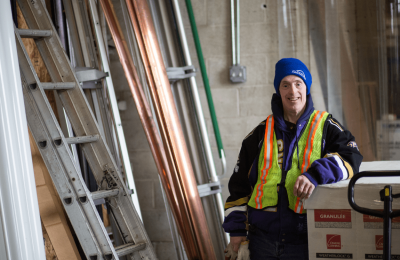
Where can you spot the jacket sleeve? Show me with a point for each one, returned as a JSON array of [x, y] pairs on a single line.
[[239, 186], [341, 158]]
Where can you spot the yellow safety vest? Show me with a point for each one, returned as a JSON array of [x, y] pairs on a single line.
[[270, 174]]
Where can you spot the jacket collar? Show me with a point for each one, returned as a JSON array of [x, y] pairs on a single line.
[[277, 110]]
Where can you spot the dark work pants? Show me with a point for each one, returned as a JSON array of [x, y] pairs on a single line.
[[263, 248]]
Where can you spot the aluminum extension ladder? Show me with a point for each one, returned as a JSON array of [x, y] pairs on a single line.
[[54, 147]]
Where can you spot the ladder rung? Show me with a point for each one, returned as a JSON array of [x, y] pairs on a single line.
[[129, 248], [84, 74], [101, 194], [58, 85], [99, 202], [28, 33], [82, 139]]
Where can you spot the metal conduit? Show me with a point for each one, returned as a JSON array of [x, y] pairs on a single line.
[[165, 24], [146, 118], [206, 84], [170, 127], [133, 45], [182, 199], [188, 236], [199, 111]]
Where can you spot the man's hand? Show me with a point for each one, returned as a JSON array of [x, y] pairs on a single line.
[[235, 242], [232, 250], [303, 187]]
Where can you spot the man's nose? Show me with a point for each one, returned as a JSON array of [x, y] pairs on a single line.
[[292, 88]]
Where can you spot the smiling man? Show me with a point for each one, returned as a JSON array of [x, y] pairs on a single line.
[[280, 163]]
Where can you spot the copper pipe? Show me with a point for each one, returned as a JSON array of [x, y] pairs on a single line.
[[168, 117], [188, 238], [143, 109]]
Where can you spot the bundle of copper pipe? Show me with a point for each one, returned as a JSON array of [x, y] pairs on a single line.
[[170, 152]]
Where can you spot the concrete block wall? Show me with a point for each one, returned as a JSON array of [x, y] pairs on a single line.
[[239, 107]]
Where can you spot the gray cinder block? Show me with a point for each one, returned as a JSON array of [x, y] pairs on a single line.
[[156, 224], [255, 101], [143, 165], [226, 102], [199, 9], [233, 130], [165, 250], [145, 192]]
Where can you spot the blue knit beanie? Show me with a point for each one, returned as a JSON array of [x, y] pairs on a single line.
[[291, 66]]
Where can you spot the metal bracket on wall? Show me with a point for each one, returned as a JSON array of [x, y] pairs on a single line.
[[177, 73], [209, 189], [90, 78]]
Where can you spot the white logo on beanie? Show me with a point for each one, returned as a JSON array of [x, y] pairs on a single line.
[[299, 72]]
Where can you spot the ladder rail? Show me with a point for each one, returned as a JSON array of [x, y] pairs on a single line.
[[84, 124], [83, 25], [119, 132], [41, 121]]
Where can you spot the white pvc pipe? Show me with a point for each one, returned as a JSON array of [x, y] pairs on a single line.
[[114, 106], [20, 231], [233, 32], [199, 111], [238, 31]]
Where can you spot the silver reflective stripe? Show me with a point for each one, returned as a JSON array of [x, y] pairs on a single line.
[[309, 148], [237, 208], [298, 208]]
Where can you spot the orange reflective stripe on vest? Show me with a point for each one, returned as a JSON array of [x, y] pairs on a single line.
[[299, 206], [307, 153], [269, 138]]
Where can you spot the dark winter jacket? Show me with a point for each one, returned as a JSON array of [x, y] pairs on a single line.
[[340, 160]]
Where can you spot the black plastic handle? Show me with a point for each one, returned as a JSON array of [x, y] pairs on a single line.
[[350, 194]]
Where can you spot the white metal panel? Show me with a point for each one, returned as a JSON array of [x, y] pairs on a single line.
[[20, 232]]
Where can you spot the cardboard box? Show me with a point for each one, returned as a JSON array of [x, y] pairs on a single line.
[[331, 233], [370, 230], [336, 231]]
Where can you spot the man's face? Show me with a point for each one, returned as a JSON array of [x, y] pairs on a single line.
[[293, 92]]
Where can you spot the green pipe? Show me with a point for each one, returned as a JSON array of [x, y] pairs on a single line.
[[205, 77]]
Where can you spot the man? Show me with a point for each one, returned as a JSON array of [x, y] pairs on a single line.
[[280, 163]]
